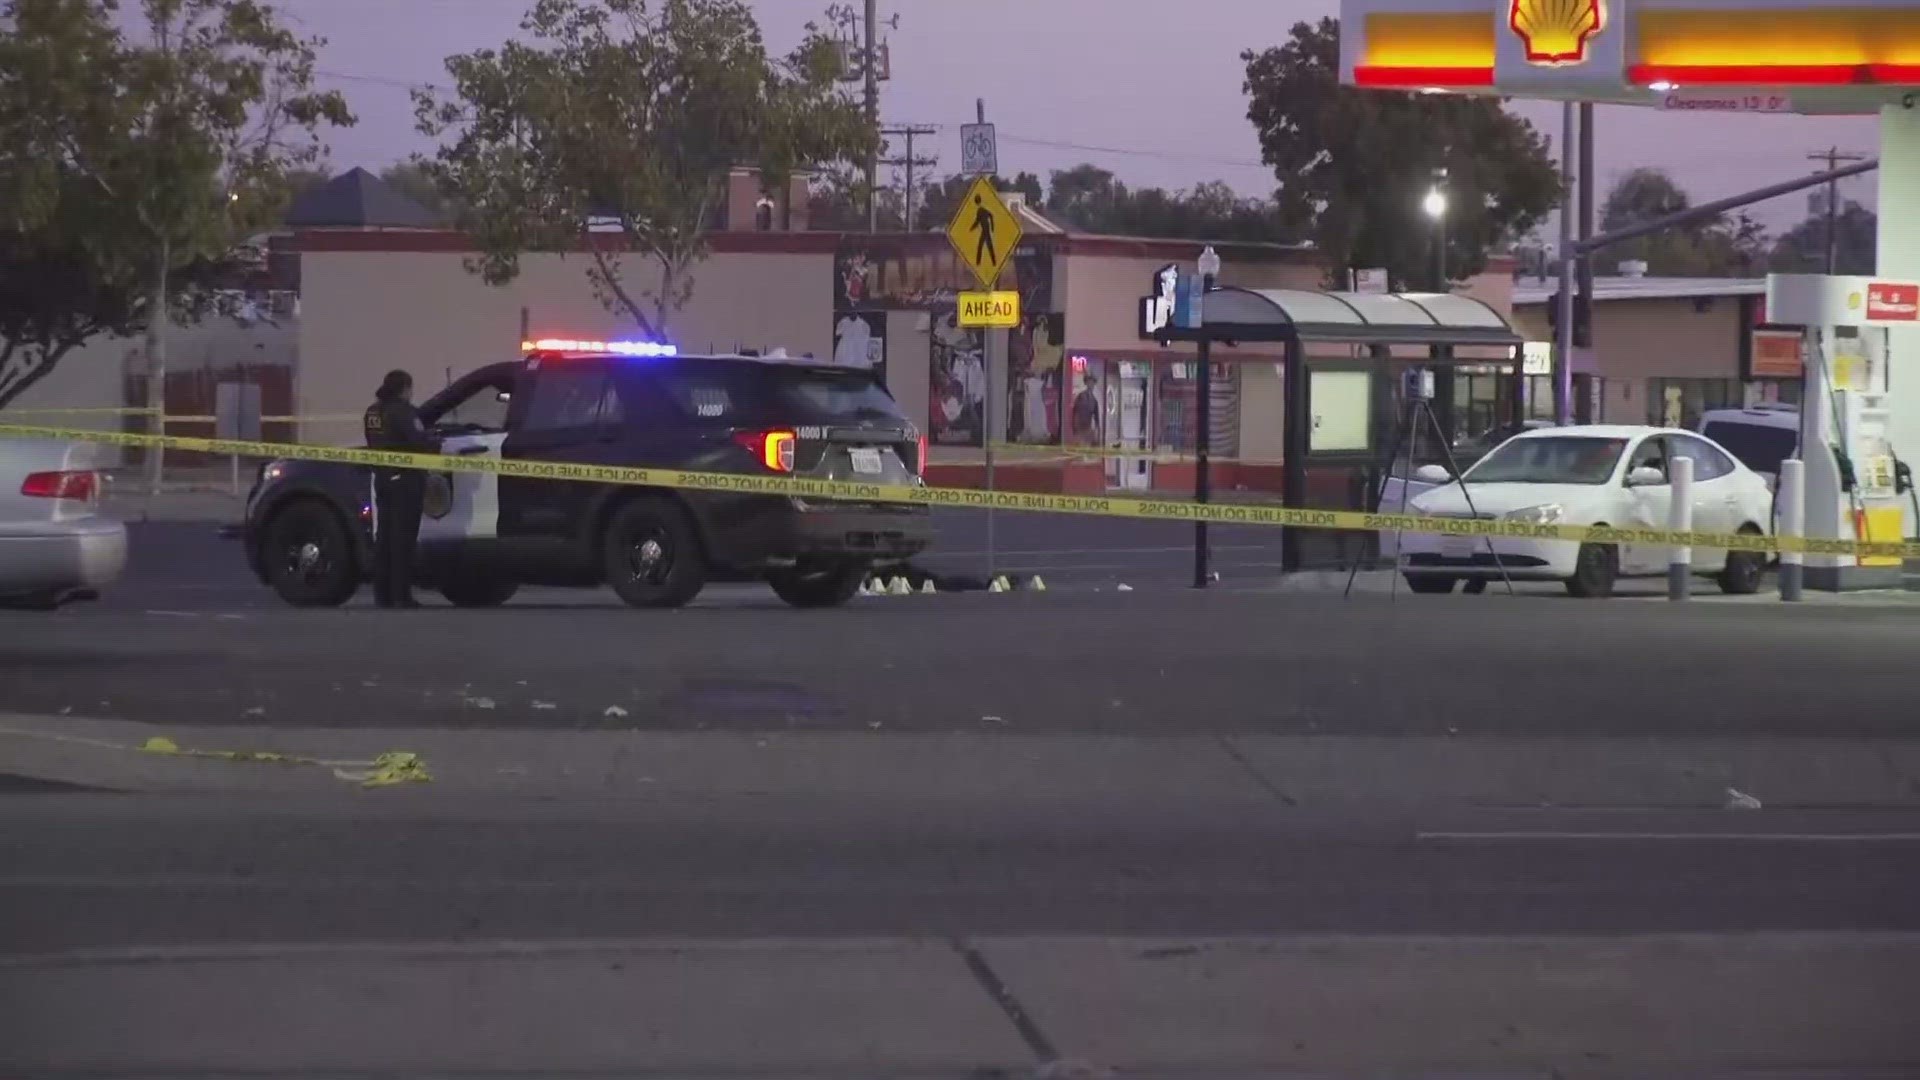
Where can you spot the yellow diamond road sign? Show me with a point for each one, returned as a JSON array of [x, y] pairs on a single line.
[[984, 232], [993, 309]]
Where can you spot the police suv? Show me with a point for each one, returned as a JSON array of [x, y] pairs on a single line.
[[309, 525]]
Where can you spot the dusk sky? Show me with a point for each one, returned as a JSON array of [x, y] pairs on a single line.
[[1148, 90]]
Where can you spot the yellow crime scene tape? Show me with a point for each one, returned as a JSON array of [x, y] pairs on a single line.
[[384, 770], [969, 498], [181, 418]]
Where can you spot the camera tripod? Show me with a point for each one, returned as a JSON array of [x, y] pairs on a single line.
[[1419, 416]]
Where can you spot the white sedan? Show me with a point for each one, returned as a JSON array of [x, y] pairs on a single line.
[[55, 545], [1588, 475]]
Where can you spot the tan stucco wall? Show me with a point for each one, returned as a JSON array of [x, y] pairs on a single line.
[[366, 312], [1636, 340], [1102, 295], [94, 375]]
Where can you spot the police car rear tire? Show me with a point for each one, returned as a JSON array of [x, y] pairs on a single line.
[[309, 556], [478, 592], [651, 556], [818, 587]]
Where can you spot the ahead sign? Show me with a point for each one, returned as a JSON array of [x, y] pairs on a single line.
[[990, 309]]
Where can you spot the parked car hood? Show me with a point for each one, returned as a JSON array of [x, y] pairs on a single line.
[[1500, 499]]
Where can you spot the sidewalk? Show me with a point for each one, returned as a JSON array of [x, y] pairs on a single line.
[[1507, 1006]]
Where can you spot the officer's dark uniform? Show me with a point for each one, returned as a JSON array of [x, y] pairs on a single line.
[[392, 424]]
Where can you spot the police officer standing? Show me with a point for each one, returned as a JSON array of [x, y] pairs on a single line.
[[392, 424]]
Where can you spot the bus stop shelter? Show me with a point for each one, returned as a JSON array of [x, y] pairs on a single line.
[[1361, 339]]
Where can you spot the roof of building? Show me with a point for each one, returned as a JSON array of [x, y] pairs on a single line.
[[1535, 291], [357, 199]]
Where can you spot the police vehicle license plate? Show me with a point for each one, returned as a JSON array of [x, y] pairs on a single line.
[[1456, 547], [866, 460]]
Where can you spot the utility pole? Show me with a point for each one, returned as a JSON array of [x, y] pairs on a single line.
[[1584, 174], [910, 162], [1833, 157], [867, 57], [1563, 314]]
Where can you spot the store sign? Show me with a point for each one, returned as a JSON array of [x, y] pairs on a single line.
[[1555, 33], [1574, 46], [1536, 358], [1160, 308], [1777, 354], [1727, 101], [1891, 302]]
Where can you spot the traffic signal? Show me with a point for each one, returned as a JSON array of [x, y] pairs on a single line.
[[1582, 318]]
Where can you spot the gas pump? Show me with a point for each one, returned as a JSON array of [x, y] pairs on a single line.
[[1855, 486]]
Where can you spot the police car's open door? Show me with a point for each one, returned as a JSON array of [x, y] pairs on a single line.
[[472, 417]]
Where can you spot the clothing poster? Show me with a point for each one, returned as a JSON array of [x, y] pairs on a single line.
[[1086, 413], [1035, 355], [860, 341], [957, 399]]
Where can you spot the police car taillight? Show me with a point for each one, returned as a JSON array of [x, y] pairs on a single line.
[[774, 449], [920, 463]]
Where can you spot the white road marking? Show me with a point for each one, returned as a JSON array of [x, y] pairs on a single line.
[[1748, 837]]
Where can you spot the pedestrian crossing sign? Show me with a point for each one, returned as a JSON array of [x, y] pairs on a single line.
[[984, 232]]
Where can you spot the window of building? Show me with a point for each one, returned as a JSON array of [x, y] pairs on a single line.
[[1679, 402]]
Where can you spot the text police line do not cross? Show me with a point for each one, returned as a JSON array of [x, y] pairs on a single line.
[[1093, 506]]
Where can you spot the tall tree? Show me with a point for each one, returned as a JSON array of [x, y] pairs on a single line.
[[938, 202], [414, 179], [1803, 248], [1723, 245], [631, 114], [155, 152], [61, 280], [1086, 197], [215, 106], [1353, 165]]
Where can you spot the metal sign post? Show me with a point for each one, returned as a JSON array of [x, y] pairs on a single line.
[[984, 233]]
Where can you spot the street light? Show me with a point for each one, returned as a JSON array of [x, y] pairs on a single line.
[[1435, 205]]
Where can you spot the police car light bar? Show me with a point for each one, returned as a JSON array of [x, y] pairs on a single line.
[[622, 348]]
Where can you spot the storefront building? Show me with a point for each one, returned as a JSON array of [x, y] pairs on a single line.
[[1080, 380], [1667, 349]]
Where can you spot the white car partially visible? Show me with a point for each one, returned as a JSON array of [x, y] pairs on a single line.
[[55, 544], [1589, 475]]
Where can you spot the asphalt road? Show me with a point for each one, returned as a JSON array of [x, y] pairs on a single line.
[[121, 872], [188, 637], [115, 908]]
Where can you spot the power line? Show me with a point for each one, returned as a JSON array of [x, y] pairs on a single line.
[[1027, 140]]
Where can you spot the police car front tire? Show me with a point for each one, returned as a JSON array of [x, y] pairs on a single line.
[[651, 556], [309, 557]]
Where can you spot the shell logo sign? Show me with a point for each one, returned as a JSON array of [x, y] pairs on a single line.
[[1556, 32]]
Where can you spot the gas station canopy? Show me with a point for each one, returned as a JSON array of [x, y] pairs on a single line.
[[1691, 55]]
